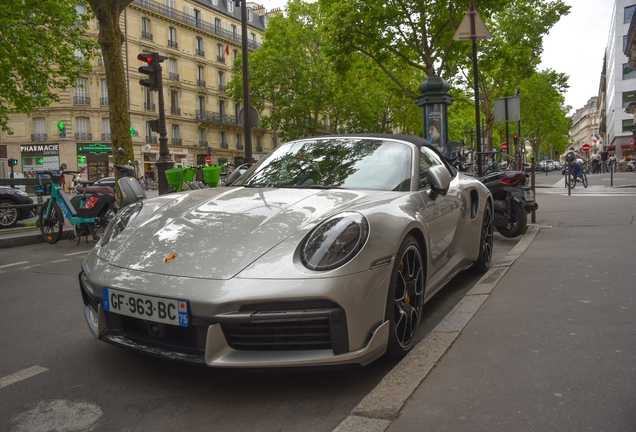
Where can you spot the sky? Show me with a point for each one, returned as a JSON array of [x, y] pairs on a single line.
[[575, 46]]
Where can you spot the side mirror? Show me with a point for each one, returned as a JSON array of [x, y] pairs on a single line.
[[121, 151], [439, 178]]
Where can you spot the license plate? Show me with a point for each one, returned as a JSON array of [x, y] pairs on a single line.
[[150, 308], [528, 195]]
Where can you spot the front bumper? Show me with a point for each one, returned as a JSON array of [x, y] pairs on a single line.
[[246, 322]]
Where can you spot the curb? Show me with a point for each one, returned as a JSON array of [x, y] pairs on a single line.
[[383, 404], [26, 236]]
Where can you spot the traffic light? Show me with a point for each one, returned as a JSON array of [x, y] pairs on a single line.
[[13, 162], [152, 69], [154, 125], [516, 140]]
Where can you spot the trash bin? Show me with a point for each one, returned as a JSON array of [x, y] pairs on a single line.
[[211, 174], [175, 177]]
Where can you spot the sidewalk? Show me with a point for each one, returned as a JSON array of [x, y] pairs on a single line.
[[546, 341]]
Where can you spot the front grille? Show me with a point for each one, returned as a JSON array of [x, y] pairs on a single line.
[[279, 336]]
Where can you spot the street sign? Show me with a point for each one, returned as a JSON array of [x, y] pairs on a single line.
[[464, 30], [507, 109], [504, 146], [585, 148], [208, 160]]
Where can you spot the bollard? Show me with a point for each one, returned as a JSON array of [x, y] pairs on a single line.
[[533, 217], [611, 170]]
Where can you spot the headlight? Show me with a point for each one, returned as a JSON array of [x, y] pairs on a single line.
[[120, 221], [21, 193], [335, 242]]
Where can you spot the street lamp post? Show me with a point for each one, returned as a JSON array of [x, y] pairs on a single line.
[[247, 121]]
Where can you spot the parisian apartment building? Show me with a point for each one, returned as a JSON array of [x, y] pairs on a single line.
[[585, 126], [201, 39], [617, 90]]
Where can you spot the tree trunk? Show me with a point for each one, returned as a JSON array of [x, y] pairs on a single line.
[[111, 40]]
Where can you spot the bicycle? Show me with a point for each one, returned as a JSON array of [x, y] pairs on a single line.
[[571, 178], [53, 211]]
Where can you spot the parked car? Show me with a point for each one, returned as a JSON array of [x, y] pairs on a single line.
[[9, 216], [322, 253]]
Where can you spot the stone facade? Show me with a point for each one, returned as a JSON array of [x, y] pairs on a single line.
[[201, 39], [585, 125]]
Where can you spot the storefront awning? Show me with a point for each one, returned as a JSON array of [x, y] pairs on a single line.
[[610, 148], [626, 146]]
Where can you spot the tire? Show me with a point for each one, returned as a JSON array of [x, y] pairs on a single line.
[[51, 228], [482, 265], [518, 221], [584, 180], [405, 299], [571, 179], [8, 216], [97, 229]]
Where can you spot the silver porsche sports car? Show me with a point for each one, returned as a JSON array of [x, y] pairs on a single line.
[[322, 253]]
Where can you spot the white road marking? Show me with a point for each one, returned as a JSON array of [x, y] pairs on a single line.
[[28, 267], [23, 374], [77, 253], [56, 261], [14, 264], [58, 415]]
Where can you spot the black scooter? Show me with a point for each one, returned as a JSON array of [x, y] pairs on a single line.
[[513, 201]]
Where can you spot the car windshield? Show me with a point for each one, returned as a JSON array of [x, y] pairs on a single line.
[[346, 163]]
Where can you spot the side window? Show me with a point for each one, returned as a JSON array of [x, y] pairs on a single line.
[[428, 159]]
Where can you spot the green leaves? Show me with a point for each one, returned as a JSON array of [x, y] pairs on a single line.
[[43, 50]]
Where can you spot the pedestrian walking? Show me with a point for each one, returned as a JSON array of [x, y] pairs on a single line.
[[596, 163], [612, 162], [604, 158]]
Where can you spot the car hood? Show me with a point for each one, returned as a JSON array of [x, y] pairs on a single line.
[[218, 232]]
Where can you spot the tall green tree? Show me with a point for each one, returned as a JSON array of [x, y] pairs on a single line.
[[110, 41], [42, 51], [544, 117]]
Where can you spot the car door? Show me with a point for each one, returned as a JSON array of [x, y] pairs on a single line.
[[441, 215]]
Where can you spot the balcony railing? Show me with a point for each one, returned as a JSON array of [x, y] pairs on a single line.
[[149, 106], [38, 137], [173, 76], [216, 117], [151, 139], [103, 101], [201, 83], [173, 43], [220, 59], [176, 141], [175, 110], [81, 100], [224, 145], [192, 21], [239, 146], [200, 52], [259, 148], [105, 137], [222, 88], [203, 143], [84, 136], [100, 61], [146, 35]]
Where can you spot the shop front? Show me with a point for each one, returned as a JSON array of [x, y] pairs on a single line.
[[94, 161], [151, 154], [40, 157]]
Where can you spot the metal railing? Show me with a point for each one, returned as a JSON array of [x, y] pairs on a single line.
[[146, 35], [38, 137], [103, 101], [173, 76], [193, 21], [224, 145], [259, 148], [203, 143], [175, 110], [81, 100], [173, 43], [239, 146], [200, 52], [151, 139], [201, 83], [105, 136], [86, 136], [220, 58], [216, 117], [176, 141], [222, 88], [149, 106]]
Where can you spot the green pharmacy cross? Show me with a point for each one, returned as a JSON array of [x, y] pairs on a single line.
[[41, 161], [81, 159]]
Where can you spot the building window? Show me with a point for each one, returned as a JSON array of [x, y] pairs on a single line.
[[239, 144], [230, 6], [39, 129], [81, 92], [202, 138], [234, 32], [223, 140], [250, 14], [176, 139], [235, 55], [265, 21], [253, 37], [173, 75], [217, 24], [106, 129], [172, 38], [629, 97], [201, 102], [170, 3], [628, 125], [174, 102], [221, 81], [628, 73], [629, 13], [149, 99], [222, 108], [237, 110], [624, 43], [103, 93], [83, 128], [145, 29], [200, 51]]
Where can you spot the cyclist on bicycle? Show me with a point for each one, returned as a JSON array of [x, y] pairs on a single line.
[[572, 158]]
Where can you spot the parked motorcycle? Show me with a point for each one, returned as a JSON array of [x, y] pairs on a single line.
[[513, 201], [631, 166]]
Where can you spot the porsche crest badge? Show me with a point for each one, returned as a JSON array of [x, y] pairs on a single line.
[[171, 257]]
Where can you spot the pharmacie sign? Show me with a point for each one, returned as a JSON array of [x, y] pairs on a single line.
[[42, 149], [95, 149]]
